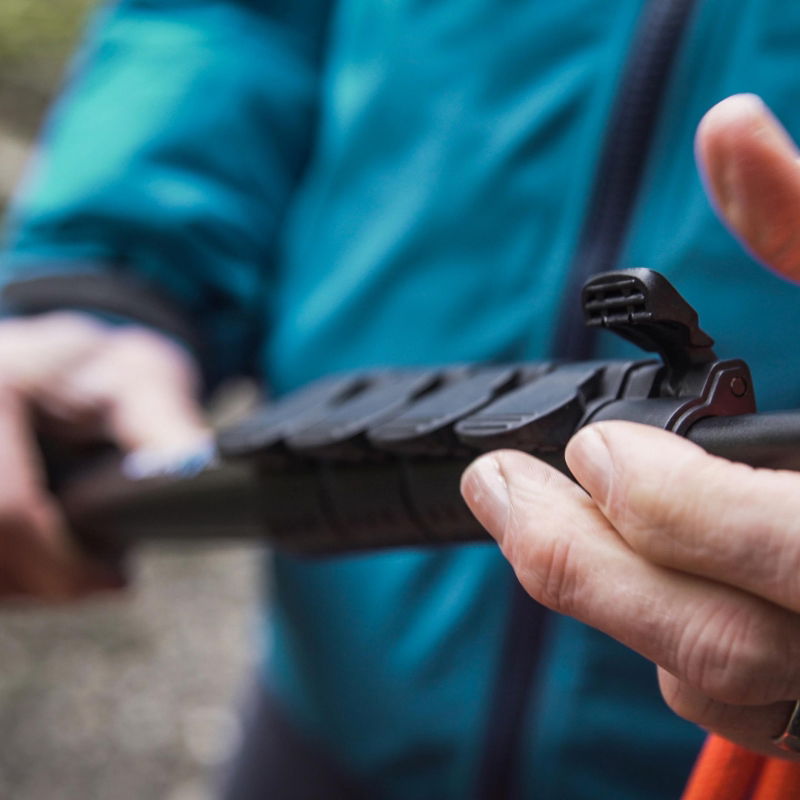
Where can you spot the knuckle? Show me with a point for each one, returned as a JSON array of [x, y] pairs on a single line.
[[74, 324], [546, 571], [735, 655], [558, 577], [69, 330], [137, 341], [151, 351]]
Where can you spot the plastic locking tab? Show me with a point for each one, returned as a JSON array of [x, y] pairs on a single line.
[[262, 434], [341, 433], [426, 428], [539, 416]]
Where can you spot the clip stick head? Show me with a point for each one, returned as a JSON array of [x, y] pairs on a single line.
[[642, 306]]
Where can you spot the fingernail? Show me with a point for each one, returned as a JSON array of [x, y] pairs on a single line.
[[590, 462], [486, 493]]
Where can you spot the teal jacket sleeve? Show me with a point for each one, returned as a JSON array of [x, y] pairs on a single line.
[[172, 156]]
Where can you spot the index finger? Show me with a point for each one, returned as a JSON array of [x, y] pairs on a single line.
[[752, 172], [569, 557]]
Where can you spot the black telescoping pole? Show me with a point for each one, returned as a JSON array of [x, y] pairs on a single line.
[[769, 440]]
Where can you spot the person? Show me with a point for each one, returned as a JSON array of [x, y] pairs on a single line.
[[685, 557], [299, 188]]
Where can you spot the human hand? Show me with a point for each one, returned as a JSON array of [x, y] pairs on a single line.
[[79, 379], [690, 560]]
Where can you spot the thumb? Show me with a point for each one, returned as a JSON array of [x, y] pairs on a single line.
[[751, 170]]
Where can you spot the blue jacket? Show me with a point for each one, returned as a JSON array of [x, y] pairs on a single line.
[[322, 186]]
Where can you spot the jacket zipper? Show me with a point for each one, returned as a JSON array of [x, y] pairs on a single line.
[[622, 162]]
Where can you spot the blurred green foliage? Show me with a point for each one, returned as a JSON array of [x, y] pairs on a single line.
[[36, 38], [35, 30]]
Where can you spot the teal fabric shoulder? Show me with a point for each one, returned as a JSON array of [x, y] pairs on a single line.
[[173, 154]]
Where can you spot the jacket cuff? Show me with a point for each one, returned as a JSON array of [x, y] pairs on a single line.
[[108, 293]]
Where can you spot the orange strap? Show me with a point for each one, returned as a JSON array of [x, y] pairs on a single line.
[[727, 771], [723, 771], [780, 780]]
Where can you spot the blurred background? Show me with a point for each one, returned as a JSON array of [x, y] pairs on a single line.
[[36, 38], [129, 698]]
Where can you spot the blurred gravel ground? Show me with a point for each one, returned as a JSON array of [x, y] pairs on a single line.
[[131, 698]]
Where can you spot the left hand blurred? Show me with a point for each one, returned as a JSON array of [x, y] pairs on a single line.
[[690, 560]]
